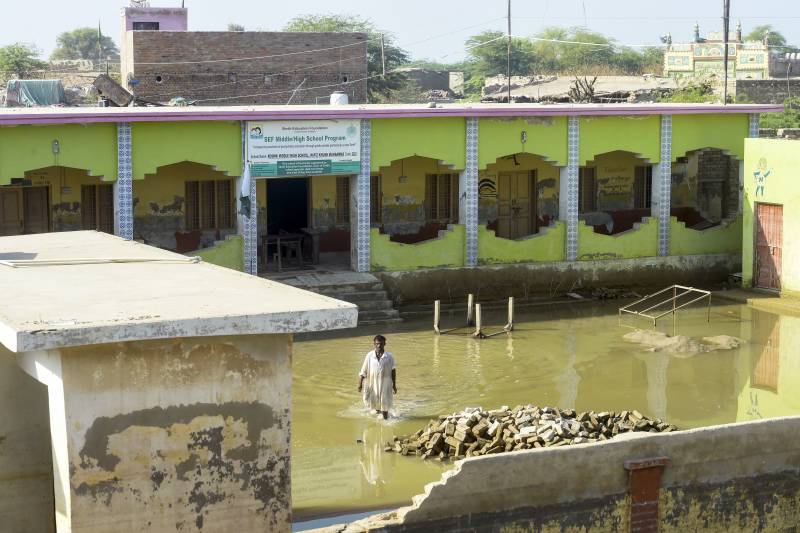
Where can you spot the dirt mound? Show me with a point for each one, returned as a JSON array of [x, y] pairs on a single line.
[[657, 341]]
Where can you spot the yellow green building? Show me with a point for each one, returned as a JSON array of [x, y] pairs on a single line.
[[386, 188], [770, 256]]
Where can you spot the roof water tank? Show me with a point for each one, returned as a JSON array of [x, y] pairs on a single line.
[[339, 98]]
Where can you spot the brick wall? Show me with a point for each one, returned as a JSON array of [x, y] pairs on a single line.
[[767, 91], [718, 176], [200, 74]]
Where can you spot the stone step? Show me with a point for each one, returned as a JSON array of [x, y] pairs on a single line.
[[350, 287], [374, 305], [381, 321], [357, 297], [378, 315]]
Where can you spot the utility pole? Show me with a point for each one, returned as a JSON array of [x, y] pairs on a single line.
[[508, 54], [726, 12]]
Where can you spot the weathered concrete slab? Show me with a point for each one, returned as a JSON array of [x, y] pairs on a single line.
[[66, 304]]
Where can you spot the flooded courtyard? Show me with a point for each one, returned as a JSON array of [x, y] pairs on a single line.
[[569, 356]]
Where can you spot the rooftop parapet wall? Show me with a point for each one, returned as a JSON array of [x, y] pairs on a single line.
[[738, 476]]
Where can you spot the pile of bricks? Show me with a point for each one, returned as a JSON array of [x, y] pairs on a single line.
[[475, 432]]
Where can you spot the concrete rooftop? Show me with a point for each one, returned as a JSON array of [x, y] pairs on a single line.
[[61, 304]]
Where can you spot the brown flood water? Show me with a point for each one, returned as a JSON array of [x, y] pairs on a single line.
[[569, 356]]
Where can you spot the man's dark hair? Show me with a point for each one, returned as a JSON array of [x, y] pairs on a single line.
[[379, 338]]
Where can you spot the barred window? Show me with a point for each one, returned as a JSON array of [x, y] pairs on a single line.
[[441, 198], [342, 199], [209, 204], [643, 187]]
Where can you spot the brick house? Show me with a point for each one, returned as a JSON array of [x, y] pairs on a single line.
[[162, 60]]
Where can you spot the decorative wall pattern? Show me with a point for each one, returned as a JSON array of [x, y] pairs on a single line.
[[664, 185], [363, 200], [573, 164], [471, 185], [249, 223], [755, 124], [251, 231], [123, 188]]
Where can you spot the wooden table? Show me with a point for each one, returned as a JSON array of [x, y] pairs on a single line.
[[283, 240]]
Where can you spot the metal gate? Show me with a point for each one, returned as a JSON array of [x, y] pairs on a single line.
[[768, 242]]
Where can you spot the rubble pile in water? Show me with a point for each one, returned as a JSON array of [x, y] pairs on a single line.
[[475, 432]]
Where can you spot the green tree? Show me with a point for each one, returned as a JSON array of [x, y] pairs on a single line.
[[378, 87], [776, 38], [568, 57], [232, 26], [82, 43], [19, 60], [789, 118]]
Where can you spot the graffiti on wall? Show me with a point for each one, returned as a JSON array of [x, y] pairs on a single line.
[[760, 175]]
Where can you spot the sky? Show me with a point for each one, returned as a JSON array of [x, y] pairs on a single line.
[[429, 30]]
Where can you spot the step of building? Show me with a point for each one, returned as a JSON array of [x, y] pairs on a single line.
[[378, 316], [374, 305], [358, 297]]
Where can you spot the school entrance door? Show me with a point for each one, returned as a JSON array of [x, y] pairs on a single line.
[[24, 210], [515, 217], [769, 239]]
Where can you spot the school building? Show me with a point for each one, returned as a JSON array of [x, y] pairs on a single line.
[[387, 188]]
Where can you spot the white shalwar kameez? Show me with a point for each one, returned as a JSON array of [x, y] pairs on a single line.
[[377, 374]]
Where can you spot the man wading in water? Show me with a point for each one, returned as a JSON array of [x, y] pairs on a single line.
[[378, 369]]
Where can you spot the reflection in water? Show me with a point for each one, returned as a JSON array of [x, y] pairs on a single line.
[[569, 378], [657, 364], [376, 465], [567, 356]]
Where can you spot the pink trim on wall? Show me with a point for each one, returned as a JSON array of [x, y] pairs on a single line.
[[169, 19], [10, 117]]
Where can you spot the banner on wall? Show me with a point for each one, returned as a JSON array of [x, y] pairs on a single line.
[[304, 147]]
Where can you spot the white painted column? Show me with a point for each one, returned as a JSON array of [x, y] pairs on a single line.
[[359, 231], [247, 218], [123, 187], [664, 185], [471, 190], [573, 166]]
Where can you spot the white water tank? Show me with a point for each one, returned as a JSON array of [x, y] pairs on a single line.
[[339, 98]]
